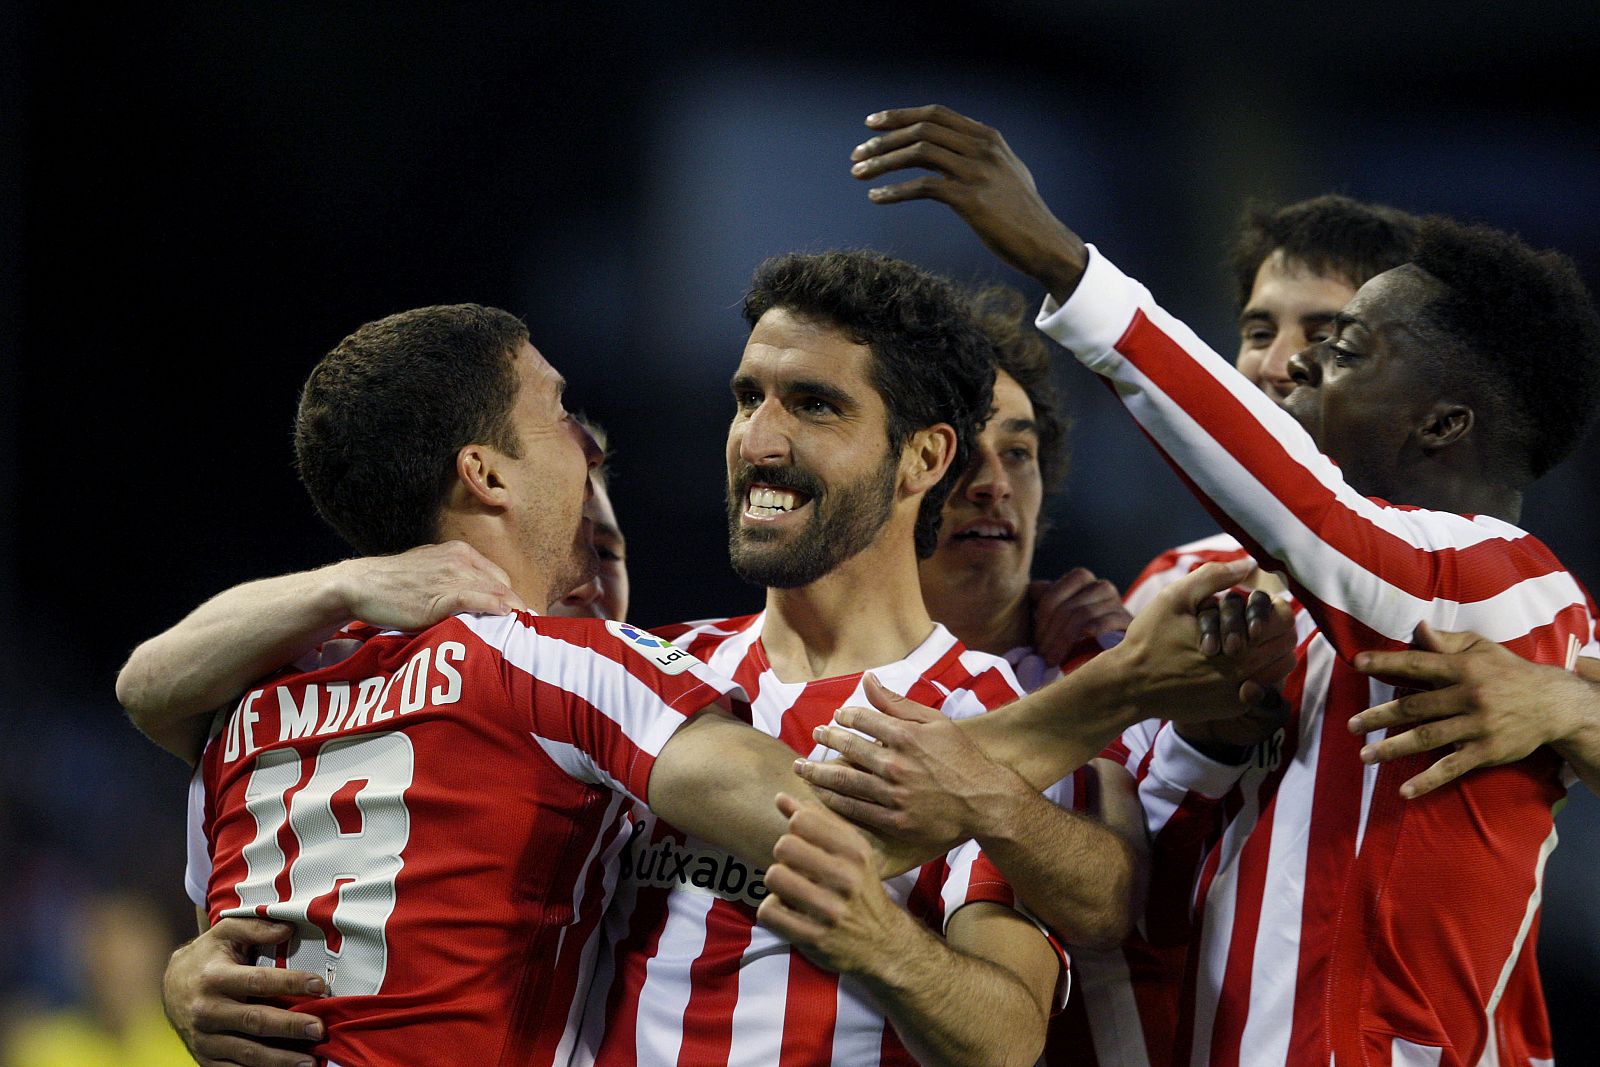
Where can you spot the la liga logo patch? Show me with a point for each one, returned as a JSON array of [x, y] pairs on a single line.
[[666, 657]]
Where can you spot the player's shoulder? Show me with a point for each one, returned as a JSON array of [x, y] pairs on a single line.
[[988, 678], [703, 635], [1174, 563]]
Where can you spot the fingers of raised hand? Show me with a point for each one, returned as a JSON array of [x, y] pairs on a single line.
[[898, 118], [888, 821], [926, 187], [1428, 669]]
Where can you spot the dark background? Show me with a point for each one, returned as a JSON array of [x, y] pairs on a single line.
[[196, 201]]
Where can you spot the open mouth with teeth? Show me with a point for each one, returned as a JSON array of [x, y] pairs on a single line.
[[985, 533], [767, 503]]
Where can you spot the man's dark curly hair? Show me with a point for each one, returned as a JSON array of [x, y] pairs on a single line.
[[1331, 235], [931, 363], [1006, 317], [1525, 326], [383, 415]]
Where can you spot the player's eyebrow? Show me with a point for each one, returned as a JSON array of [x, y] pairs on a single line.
[[1020, 426], [1344, 318], [813, 387], [1254, 315]]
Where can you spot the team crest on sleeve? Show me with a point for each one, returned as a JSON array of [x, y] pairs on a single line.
[[666, 657]]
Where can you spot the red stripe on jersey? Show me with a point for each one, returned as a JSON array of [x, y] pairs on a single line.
[[632, 956], [810, 1011], [714, 988], [1330, 855]]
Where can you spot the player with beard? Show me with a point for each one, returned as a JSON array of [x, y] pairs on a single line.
[[1452, 382], [855, 407]]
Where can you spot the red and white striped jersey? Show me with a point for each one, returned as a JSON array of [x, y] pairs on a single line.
[[694, 980], [1338, 920], [439, 814]]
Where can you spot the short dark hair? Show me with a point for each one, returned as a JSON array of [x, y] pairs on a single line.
[[384, 414], [1527, 326], [1006, 318], [931, 363], [1331, 235]]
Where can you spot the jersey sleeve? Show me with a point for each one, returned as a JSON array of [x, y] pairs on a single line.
[[971, 878], [1368, 571], [601, 699]]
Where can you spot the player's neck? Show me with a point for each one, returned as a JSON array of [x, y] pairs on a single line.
[[984, 619], [865, 613], [498, 543]]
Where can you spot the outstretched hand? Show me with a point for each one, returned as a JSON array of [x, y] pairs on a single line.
[[1487, 703], [1180, 666], [914, 777], [977, 174]]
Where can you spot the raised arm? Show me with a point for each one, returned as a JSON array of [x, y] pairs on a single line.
[[1368, 572], [173, 682]]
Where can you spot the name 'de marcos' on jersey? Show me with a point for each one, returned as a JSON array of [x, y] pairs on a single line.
[[429, 678]]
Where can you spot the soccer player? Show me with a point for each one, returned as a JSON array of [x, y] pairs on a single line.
[[435, 810], [1448, 385]]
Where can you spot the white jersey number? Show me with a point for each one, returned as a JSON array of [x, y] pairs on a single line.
[[340, 884]]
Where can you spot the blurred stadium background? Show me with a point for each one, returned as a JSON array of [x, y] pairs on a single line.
[[197, 200]]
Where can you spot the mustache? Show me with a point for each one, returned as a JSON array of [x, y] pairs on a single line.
[[792, 478]]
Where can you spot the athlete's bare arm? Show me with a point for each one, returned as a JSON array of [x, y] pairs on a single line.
[[174, 682], [1157, 672], [980, 996], [1487, 703]]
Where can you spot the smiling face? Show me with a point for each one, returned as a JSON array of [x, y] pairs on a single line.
[[1363, 393], [991, 521], [1290, 309], [811, 480]]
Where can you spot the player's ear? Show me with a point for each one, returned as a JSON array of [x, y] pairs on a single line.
[[479, 477], [1443, 425], [926, 456]]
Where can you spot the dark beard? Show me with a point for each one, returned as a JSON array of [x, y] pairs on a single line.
[[842, 523]]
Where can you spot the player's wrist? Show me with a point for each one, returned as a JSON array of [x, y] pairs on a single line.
[[335, 591]]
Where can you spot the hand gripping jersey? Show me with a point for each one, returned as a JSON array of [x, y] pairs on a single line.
[[694, 981], [1339, 921], [438, 814]]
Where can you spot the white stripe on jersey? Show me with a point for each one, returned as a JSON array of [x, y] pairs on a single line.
[[1274, 971], [601, 681]]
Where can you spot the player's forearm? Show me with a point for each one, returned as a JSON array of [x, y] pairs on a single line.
[[1074, 873], [174, 681], [954, 1009], [718, 779], [1056, 729]]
